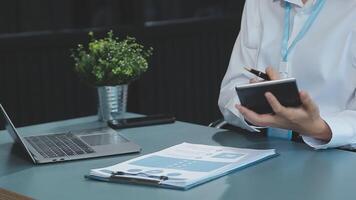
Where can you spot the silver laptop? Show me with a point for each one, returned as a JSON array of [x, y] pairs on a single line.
[[79, 144]]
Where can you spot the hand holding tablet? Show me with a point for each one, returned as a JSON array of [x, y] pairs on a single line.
[[286, 107]]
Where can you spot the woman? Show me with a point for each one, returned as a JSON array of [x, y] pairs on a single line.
[[311, 40]]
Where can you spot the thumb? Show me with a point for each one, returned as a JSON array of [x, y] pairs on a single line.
[[272, 73], [308, 102]]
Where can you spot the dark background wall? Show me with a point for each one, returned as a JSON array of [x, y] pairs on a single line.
[[192, 43]]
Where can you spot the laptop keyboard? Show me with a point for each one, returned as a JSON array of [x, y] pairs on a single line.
[[59, 145]]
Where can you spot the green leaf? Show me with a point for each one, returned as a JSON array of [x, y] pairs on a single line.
[[110, 61]]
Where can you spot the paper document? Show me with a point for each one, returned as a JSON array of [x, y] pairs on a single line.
[[182, 166]]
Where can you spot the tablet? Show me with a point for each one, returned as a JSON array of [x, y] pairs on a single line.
[[252, 96]]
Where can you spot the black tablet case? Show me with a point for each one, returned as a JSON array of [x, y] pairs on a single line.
[[254, 99]]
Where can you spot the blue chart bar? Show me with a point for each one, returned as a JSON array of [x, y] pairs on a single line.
[[180, 164]]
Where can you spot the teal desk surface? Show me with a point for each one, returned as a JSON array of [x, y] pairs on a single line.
[[299, 172]]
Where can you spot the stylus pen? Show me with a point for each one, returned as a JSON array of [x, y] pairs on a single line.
[[258, 73]]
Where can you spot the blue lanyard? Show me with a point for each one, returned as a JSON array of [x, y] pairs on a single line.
[[316, 10], [286, 51]]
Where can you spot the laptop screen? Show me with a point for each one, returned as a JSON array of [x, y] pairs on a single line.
[[12, 130], [9, 125]]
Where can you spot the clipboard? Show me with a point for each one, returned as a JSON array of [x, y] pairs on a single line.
[[179, 167], [155, 182]]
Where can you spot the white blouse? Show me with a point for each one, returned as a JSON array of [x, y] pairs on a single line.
[[323, 62]]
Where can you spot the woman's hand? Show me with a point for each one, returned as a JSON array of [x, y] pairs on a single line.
[[304, 119]]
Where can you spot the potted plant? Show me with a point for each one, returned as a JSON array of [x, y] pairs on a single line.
[[110, 65]]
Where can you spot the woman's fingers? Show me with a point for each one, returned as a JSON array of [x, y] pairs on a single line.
[[254, 118], [254, 80]]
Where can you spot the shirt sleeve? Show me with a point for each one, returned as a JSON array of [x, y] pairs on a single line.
[[244, 54], [342, 124], [343, 128]]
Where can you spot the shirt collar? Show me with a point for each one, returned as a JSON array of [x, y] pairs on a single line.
[[298, 3]]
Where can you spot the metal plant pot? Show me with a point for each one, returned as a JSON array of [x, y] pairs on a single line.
[[112, 101]]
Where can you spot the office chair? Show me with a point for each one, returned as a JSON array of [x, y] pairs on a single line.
[[222, 124], [218, 123]]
